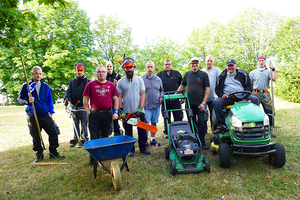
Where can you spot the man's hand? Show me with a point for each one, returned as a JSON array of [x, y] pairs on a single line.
[[201, 107], [66, 102], [139, 111], [122, 115], [161, 99], [31, 99], [225, 96], [115, 116]]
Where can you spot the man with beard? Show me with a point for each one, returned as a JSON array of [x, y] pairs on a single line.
[[113, 77], [131, 91], [261, 78], [101, 94], [74, 96]]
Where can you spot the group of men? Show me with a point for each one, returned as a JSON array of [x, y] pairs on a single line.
[[111, 97]]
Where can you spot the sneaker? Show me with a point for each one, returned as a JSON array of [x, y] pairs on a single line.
[[154, 143], [72, 145], [166, 136]]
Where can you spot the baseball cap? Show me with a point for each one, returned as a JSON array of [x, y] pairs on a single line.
[[261, 57], [230, 62], [194, 59]]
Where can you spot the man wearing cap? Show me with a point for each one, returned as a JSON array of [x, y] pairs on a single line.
[[131, 91], [261, 78], [198, 90], [101, 93], [213, 73], [171, 80], [230, 80], [113, 77], [74, 96], [153, 98]]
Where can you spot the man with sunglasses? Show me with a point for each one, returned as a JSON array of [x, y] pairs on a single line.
[[101, 94], [131, 91]]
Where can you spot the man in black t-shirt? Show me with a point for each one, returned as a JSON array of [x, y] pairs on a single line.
[[171, 80], [198, 91]]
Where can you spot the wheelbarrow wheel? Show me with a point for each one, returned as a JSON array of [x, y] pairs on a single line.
[[116, 175]]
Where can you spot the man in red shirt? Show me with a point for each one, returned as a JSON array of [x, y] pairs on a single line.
[[101, 94]]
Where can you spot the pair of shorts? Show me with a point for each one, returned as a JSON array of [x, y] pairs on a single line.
[[152, 115]]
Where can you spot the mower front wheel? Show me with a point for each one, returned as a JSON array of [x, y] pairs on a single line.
[[224, 155], [206, 165], [167, 153], [173, 168], [278, 158]]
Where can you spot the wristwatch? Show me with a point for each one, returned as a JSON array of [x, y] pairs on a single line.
[[203, 103]]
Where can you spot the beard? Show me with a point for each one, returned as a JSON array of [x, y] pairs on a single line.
[[129, 75]]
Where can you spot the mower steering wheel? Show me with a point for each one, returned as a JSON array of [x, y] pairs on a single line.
[[240, 95]]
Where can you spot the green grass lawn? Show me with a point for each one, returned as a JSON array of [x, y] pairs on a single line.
[[149, 176]]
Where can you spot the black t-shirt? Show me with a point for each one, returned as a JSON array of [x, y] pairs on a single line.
[[171, 81], [196, 83]]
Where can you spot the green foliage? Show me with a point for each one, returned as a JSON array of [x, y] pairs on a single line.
[[113, 39], [56, 40]]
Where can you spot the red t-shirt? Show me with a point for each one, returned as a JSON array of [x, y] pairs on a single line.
[[101, 94]]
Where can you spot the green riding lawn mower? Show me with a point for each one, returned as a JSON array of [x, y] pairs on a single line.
[[248, 133]]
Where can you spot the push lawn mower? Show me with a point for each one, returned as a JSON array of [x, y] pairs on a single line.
[[248, 133], [184, 151]]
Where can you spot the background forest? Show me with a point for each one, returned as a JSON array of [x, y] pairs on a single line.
[[55, 34]]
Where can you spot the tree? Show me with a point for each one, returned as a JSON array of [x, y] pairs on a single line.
[[113, 39], [287, 49], [55, 41]]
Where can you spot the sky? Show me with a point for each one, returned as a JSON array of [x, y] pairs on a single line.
[[176, 19]]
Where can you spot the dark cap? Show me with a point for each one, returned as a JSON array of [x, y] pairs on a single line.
[[230, 62]]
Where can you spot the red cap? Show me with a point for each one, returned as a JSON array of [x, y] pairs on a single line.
[[261, 57]]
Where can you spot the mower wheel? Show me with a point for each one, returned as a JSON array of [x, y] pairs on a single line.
[[278, 159], [116, 175], [173, 168], [224, 155], [206, 165], [167, 153]]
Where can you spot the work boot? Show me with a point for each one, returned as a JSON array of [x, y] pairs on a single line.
[[204, 147], [145, 151], [38, 157], [72, 145], [220, 129], [55, 154], [273, 135]]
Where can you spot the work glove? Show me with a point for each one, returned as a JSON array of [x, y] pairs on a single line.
[[122, 115], [139, 112]]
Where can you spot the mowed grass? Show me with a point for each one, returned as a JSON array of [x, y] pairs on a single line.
[[149, 176]]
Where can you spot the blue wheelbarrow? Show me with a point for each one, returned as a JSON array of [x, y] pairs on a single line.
[[107, 149]]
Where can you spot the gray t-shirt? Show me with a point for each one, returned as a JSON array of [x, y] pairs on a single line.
[[131, 93], [260, 79], [213, 74], [232, 85], [38, 88]]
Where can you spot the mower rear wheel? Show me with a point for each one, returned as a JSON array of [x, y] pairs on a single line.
[[224, 155], [116, 175], [278, 159], [173, 168], [206, 165], [167, 153]]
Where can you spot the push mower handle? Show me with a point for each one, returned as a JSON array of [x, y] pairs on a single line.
[[176, 91]]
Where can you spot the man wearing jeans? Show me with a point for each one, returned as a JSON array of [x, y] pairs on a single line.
[[101, 94]]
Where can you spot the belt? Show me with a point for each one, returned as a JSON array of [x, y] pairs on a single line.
[[260, 91], [101, 111]]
